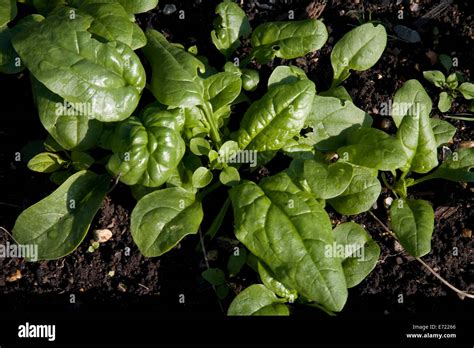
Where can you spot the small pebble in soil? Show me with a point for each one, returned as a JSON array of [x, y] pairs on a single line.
[[103, 235], [14, 277], [121, 287], [387, 202], [169, 9], [466, 232]]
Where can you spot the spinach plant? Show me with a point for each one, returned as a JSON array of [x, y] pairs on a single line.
[[177, 151], [452, 87]]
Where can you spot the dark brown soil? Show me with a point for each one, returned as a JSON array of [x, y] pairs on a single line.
[[158, 282]]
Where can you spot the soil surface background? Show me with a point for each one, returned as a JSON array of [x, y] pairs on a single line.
[[156, 283]]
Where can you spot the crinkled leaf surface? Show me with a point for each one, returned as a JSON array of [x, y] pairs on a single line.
[[60, 53], [327, 181], [146, 150], [287, 40], [71, 128], [175, 80], [278, 116], [287, 229], [221, 89]]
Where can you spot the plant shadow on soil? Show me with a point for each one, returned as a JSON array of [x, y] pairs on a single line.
[[154, 284]]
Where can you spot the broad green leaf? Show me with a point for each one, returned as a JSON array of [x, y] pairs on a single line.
[[214, 276], [332, 119], [458, 167], [445, 61], [278, 116], [199, 146], [10, 63], [412, 222], [410, 111], [436, 77], [46, 162], [467, 90], [222, 291], [327, 181], [112, 23], [359, 50], [131, 6], [222, 89], [360, 195], [250, 79], [360, 252], [445, 101], [162, 218], [286, 74], [373, 148], [287, 229], [274, 285], [237, 260], [106, 78], [146, 150], [70, 127], [257, 300], [59, 222], [8, 11], [229, 176], [443, 131], [175, 80], [231, 25], [287, 40], [201, 177]]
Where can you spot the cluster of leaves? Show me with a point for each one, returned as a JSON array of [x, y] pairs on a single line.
[[175, 152], [452, 86]]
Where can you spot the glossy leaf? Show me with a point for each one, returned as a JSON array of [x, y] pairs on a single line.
[[287, 229], [257, 300], [327, 181], [8, 11], [274, 285], [131, 6], [287, 40], [62, 219], [146, 150], [107, 78], [360, 195], [201, 177], [229, 176], [443, 131], [413, 222], [274, 119], [250, 79], [70, 127], [373, 148], [458, 167], [231, 25], [175, 80], [112, 23], [222, 89], [361, 253], [164, 217], [45, 162], [410, 112], [359, 50], [332, 119]]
